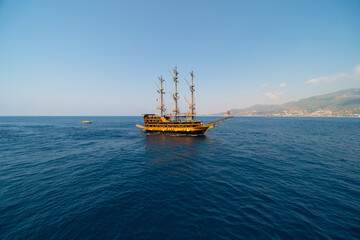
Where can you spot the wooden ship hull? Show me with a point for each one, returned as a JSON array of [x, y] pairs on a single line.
[[177, 123], [156, 124]]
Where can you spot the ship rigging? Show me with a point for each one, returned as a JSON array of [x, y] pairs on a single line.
[[176, 122]]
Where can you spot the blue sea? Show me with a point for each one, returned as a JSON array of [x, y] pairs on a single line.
[[249, 178]]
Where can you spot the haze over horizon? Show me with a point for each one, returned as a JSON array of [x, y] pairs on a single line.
[[102, 58]]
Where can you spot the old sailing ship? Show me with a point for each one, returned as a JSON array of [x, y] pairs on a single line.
[[176, 122]]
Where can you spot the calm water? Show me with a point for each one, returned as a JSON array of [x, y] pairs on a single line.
[[250, 178]]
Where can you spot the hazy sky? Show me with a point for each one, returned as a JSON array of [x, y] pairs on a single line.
[[102, 57]]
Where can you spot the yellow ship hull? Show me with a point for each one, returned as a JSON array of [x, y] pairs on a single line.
[[177, 130], [156, 124]]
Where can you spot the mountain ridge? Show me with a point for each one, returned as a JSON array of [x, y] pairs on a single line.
[[344, 103]]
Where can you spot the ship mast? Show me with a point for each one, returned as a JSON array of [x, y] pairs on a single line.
[[175, 95], [161, 91], [192, 90]]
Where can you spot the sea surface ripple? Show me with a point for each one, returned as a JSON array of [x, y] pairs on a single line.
[[250, 178]]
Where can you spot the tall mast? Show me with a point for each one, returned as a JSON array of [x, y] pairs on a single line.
[[192, 104], [192, 90], [161, 91], [175, 95]]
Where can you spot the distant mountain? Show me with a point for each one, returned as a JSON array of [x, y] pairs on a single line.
[[345, 103]]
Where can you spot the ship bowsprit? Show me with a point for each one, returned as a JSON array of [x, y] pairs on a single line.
[[217, 122]]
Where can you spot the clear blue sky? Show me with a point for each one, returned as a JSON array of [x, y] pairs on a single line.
[[102, 57]]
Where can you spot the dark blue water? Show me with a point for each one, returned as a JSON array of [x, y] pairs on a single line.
[[250, 178]]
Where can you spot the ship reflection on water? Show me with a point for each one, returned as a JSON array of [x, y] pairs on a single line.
[[166, 148]]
